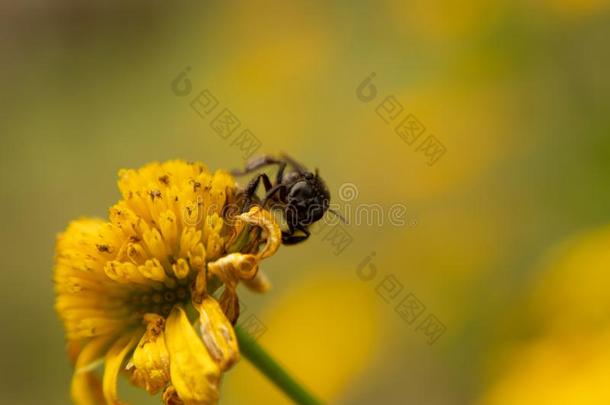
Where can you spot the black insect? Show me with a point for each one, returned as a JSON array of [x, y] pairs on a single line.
[[301, 194]]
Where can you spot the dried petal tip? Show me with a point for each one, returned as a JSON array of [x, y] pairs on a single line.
[[217, 333], [170, 396]]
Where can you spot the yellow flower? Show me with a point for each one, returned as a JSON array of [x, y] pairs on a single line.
[[136, 293]]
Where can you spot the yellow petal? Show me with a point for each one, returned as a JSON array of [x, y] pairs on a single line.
[[170, 396], [195, 375], [197, 257], [201, 286], [181, 269], [85, 389], [214, 243], [217, 333], [260, 283], [150, 360], [230, 303], [114, 361], [234, 266], [169, 228], [264, 219]]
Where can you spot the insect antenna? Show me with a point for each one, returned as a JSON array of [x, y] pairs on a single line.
[[338, 215]]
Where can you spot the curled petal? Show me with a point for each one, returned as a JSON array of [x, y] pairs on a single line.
[[114, 360], [264, 219], [236, 229], [217, 333], [88, 390], [86, 387], [74, 348], [194, 373], [201, 286], [260, 283], [233, 267], [150, 360], [170, 396], [230, 269], [230, 303]]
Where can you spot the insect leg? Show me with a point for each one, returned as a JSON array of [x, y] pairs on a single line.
[[250, 190], [271, 192], [297, 166], [255, 164], [279, 178], [288, 238]]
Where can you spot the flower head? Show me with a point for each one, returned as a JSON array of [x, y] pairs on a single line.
[[137, 292]]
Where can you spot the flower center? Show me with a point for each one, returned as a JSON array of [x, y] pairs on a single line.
[[159, 302]]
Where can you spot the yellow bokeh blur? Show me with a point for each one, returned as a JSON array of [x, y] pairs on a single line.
[[326, 329], [567, 358]]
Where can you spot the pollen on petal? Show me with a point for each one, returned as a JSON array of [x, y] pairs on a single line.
[[149, 364]]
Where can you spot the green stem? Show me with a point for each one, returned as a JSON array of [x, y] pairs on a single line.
[[272, 370]]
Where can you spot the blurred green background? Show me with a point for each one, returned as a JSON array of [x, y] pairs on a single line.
[[506, 239]]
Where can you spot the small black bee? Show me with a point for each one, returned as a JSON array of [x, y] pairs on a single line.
[[302, 195]]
